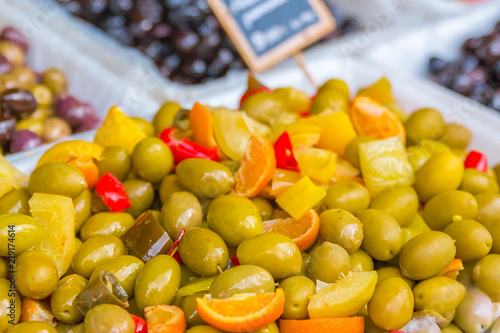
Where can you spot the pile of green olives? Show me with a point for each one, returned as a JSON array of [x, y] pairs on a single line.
[[435, 245]]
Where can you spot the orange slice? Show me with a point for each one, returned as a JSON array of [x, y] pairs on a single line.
[[303, 231], [453, 268], [242, 312], [256, 168], [372, 118], [165, 319], [202, 125], [337, 325]]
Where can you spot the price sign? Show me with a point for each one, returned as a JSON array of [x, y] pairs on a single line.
[[267, 31]]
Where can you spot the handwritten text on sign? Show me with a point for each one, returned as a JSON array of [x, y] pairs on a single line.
[[266, 31]]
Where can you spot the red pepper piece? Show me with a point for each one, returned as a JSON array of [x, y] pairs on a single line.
[[476, 160], [184, 148], [176, 255], [235, 260], [283, 151], [252, 92], [140, 324], [113, 193], [305, 114]]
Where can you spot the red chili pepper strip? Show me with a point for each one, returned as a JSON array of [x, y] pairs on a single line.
[[140, 324], [247, 94], [476, 160], [113, 193], [176, 255], [235, 260], [283, 151], [184, 148]]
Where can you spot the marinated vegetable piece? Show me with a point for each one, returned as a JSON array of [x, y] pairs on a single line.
[[202, 251], [439, 211], [341, 227], [158, 282], [36, 310], [300, 197], [104, 289], [26, 230], [242, 279], [384, 164], [10, 177], [350, 196], [317, 164], [165, 318], [328, 263], [343, 298], [146, 238], [275, 253], [108, 318], [196, 285], [144, 126], [36, 274], [125, 268], [63, 298]]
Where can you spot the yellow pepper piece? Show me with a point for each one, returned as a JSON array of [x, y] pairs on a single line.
[[10, 177], [118, 130], [384, 164], [300, 197], [318, 164], [336, 131], [303, 134], [282, 180], [71, 150], [381, 91], [55, 213]]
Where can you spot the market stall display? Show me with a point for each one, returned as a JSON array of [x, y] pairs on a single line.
[[204, 198]]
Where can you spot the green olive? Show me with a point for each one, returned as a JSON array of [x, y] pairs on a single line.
[[276, 253], [329, 100], [488, 212], [297, 291], [141, 195], [399, 202], [424, 124], [233, 166], [336, 84], [417, 223], [106, 223], [472, 239], [36, 274], [456, 136], [204, 178], [495, 328], [242, 279], [361, 261], [63, 298], [382, 234], [440, 294], [265, 207], [350, 196], [476, 313], [57, 178], [105, 318], [144, 126], [265, 107], [435, 147], [134, 309], [203, 329], [328, 263], [10, 309], [271, 328], [33, 327], [441, 173], [388, 272], [83, 208], [115, 160], [475, 182], [451, 329], [234, 219], [18, 233], [157, 282], [164, 117], [426, 255], [168, 186], [125, 268], [440, 210], [391, 306], [187, 276], [417, 156], [465, 275], [15, 201], [341, 227], [68, 328], [189, 307], [352, 149], [152, 159], [406, 235], [181, 211], [486, 275], [95, 251], [295, 100], [202, 251]]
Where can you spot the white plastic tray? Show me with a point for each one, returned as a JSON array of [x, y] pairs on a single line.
[[89, 80], [412, 93]]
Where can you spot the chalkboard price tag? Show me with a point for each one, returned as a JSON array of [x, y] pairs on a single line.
[[267, 31]]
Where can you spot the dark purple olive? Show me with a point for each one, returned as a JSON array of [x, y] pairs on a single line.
[[72, 110], [5, 65], [19, 102], [88, 124], [13, 35], [24, 140]]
